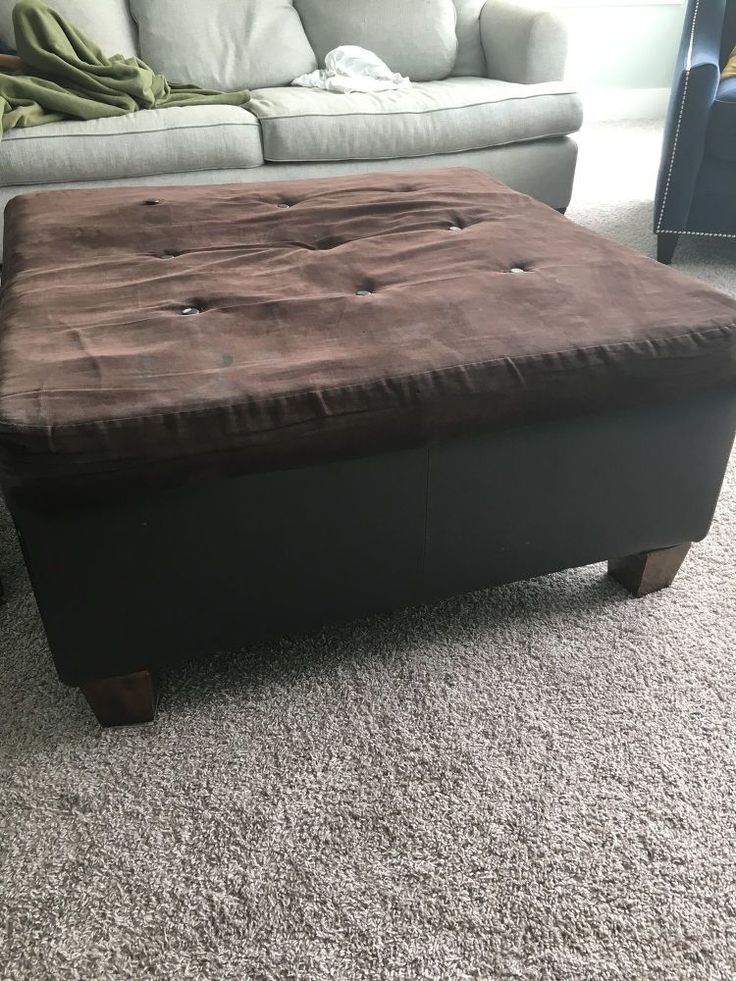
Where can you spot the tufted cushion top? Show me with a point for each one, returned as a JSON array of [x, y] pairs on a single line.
[[160, 333]]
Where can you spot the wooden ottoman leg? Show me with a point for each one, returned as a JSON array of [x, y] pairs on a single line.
[[125, 700], [649, 571]]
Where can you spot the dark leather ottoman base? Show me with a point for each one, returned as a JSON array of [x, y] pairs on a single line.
[[133, 585]]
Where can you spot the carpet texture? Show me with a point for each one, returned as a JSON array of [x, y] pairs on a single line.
[[536, 782]]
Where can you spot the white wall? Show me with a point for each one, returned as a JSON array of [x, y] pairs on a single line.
[[622, 53]]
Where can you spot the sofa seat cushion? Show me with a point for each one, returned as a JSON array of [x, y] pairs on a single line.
[[721, 140], [140, 144], [238, 327], [431, 117]]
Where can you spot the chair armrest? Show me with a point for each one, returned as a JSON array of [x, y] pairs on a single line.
[[522, 43], [694, 89]]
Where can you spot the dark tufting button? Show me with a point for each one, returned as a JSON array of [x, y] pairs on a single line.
[[283, 205], [363, 292], [168, 255], [152, 201], [190, 311]]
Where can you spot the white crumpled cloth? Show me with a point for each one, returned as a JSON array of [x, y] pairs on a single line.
[[353, 69]]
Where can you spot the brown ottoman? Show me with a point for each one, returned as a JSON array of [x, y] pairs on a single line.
[[236, 410]]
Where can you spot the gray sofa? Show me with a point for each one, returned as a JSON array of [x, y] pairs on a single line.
[[487, 94]]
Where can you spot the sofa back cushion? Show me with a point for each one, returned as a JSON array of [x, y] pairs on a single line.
[[414, 37], [107, 22], [223, 44], [470, 57]]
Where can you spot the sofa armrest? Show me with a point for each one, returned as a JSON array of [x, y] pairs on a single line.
[[523, 43]]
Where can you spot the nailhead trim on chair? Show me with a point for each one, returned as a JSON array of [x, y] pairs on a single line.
[[688, 68], [669, 231]]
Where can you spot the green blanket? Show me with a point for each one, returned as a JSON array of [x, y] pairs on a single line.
[[68, 76]]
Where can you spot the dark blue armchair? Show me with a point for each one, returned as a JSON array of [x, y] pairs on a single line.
[[696, 191]]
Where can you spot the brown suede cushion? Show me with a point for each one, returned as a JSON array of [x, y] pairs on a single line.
[[338, 317]]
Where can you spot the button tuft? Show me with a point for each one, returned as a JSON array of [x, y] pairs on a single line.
[[283, 204], [190, 311], [363, 292], [455, 228], [152, 201], [517, 269]]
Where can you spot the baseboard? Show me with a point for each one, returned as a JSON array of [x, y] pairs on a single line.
[[603, 104]]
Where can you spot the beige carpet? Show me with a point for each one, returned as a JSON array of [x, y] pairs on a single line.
[[537, 782]]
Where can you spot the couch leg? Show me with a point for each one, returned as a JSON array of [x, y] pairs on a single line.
[[125, 700], [666, 245], [649, 571]]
